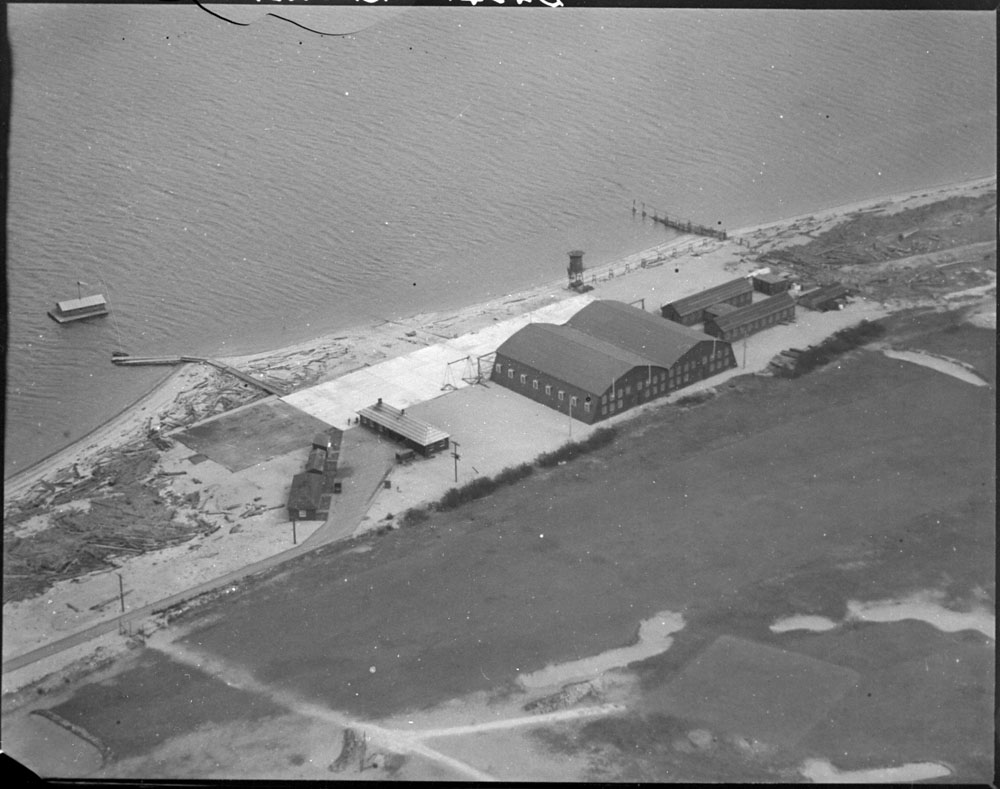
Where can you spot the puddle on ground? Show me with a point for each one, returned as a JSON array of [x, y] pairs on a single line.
[[919, 606], [946, 366], [654, 637], [815, 623], [822, 771]]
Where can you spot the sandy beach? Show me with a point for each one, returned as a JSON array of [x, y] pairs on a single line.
[[337, 353], [194, 392]]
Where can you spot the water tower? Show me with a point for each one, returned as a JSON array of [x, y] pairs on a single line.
[[575, 268]]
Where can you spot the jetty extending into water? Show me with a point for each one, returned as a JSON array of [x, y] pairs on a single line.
[[124, 360], [682, 225]]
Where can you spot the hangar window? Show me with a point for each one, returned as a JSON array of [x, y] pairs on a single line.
[[638, 384], [534, 384], [510, 373], [562, 395], [498, 367], [586, 406], [604, 398], [524, 378], [548, 389]]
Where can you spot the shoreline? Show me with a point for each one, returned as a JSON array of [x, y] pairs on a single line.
[[242, 534], [127, 424]]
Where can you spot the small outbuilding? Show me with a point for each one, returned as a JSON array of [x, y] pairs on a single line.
[[691, 309], [316, 463], [828, 297], [306, 497], [323, 441], [742, 322], [407, 430], [771, 283]]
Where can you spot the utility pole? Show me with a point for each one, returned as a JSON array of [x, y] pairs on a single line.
[[294, 537], [571, 416], [121, 591], [744, 352], [454, 454]]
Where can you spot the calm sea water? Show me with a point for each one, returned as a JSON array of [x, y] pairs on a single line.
[[235, 189]]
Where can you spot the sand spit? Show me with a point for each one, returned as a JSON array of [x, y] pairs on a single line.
[[654, 638], [815, 624], [821, 771], [922, 606], [947, 366]]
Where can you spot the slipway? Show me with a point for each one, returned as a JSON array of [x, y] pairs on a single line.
[[423, 374]]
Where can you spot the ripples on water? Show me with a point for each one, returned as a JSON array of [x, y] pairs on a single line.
[[237, 190]]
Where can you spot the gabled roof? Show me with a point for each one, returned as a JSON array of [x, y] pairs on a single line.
[[305, 492], [752, 312], [706, 298], [403, 424], [770, 277], [87, 302], [834, 290], [652, 338], [722, 308], [570, 355]]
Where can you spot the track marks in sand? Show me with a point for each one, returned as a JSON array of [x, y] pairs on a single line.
[[400, 741]]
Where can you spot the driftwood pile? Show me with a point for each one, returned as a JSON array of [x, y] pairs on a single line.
[[122, 513]]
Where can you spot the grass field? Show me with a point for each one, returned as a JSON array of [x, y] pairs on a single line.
[[868, 478]]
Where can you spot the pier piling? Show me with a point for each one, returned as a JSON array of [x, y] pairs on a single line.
[[683, 225]]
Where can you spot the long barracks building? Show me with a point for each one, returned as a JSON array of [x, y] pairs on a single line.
[[609, 357], [736, 322], [691, 309]]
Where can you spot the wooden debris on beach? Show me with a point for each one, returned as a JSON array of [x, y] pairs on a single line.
[[131, 517]]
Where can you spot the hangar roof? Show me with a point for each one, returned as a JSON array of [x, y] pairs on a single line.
[[658, 341], [600, 343], [570, 355]]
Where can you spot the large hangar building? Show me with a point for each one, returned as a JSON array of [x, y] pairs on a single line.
[[609, 357]]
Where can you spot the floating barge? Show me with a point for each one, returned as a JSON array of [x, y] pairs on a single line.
[[79, 309]]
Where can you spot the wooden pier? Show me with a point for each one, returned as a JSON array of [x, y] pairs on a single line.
[[682, 225], [137, 361]]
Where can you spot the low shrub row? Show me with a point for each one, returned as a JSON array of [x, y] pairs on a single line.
[[599, 438], [483, 486], [837, 345], [696, 397]]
